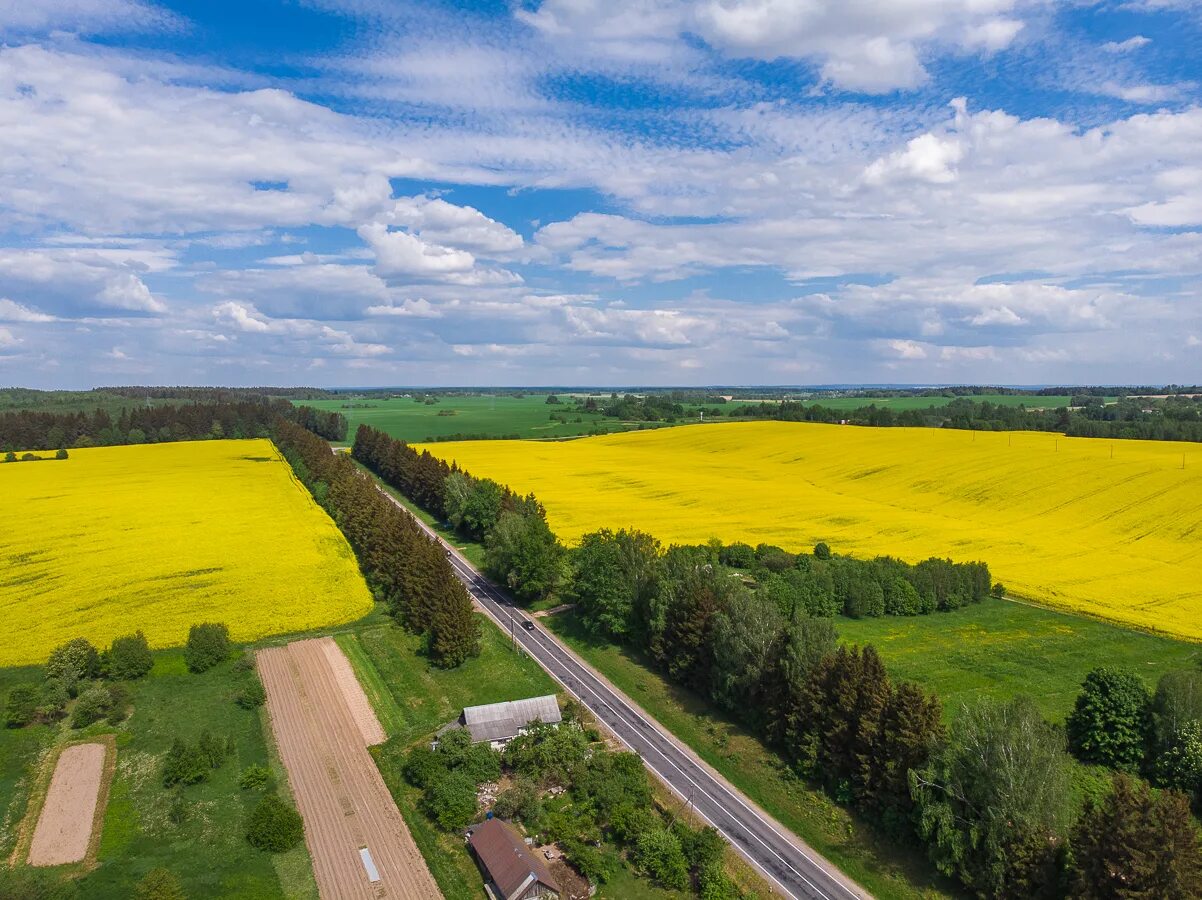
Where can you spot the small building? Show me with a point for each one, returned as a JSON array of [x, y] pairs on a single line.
[[499, 723], [511, 871]]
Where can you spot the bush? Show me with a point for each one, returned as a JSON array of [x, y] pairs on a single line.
[[594, 864], [177, 810], [93, 705], [160, 884], [208, 644], [61, 454], [255, 777], [274, 825], [253, 695], [185, 765], [22, 705], [54, 700], [451, 801], [129, 657], [119, 707], [213, 750], [73, 661], [737, 555], [657, 852], [822, 551]]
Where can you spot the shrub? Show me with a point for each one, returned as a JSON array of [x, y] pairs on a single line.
[[61, 454], [54, 700], [822, 551], [93, 705], [22, 705], [213, 750], [160, 884], [594, 864], [129, 657], [119, 707], [252, 695], [73, 661], [274, 825], [177, 809], [998, 590], [255, 777], [657, 852], [737, 555], [10, 456], [423, 766], [30, 457], [451, 801], [208, 644], [185, 765]]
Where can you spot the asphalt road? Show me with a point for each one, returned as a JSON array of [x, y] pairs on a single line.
[[791, 868]]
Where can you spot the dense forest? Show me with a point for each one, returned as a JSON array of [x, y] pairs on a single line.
[[193, 421], [1177, 418]]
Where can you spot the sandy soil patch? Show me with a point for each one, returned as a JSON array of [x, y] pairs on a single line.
[[352, 692], [339, 792], [64, 827]]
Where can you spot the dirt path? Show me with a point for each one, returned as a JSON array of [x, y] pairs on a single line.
[[338, 789], [64, 827]]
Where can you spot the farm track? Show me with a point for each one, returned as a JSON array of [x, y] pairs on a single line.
[[69, 813], [338, 789]]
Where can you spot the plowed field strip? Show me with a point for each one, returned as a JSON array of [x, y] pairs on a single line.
[[339, 791], [352, 691]]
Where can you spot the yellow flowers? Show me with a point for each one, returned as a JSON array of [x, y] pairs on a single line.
[[158, 537], [1057, 519]]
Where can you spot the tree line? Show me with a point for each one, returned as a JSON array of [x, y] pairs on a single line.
[[405, 569], [990, 800], [520, 549], [35, 430], [1176, 418]]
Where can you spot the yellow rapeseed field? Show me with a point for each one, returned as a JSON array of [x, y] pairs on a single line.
[[1058, 519], [159, 537]]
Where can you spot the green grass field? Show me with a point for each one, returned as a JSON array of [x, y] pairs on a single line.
[[414, 421], [881, 867], [208, 851], [1000, 648]]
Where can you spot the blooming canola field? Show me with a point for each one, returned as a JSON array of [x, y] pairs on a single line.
[[158, 537], [1108, 528]]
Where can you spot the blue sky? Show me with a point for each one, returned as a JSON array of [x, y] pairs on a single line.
[[354, 192]]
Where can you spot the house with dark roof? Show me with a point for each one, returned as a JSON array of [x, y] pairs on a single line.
[[499, 723], [511, 871]]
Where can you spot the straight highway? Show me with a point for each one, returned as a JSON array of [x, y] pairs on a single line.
[[791, 868]]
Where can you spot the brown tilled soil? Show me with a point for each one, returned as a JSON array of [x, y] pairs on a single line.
[[65, 824], [352, 692], [338, 789]]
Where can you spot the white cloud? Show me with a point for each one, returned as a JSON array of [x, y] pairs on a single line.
[[1132, 43], [865, 45], [905, 349], [401, 253], [436, 220], [84, 16], [8, 339], [417, 308], [11, 311], [927, 157]]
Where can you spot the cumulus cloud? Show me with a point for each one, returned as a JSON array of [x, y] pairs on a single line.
[[873, 46], [11, 311]]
